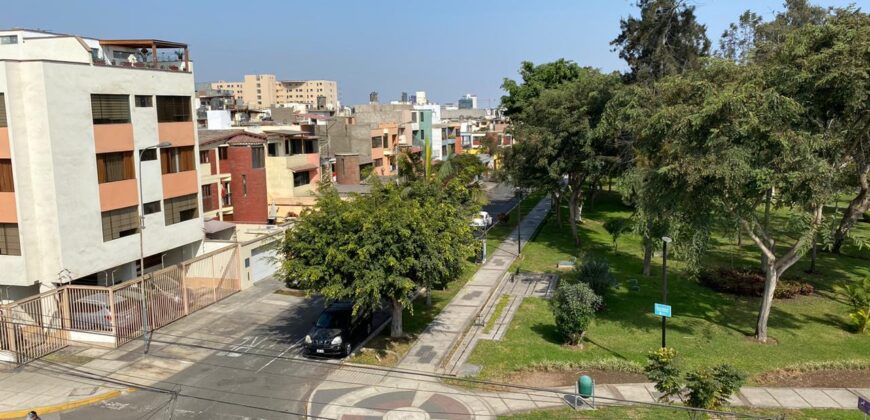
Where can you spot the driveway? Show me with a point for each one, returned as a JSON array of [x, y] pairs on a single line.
[[239, 358]]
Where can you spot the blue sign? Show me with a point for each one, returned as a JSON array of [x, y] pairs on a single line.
[[663, 310], [864, 405]]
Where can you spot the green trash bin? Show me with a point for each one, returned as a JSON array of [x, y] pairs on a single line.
[[585, 386]]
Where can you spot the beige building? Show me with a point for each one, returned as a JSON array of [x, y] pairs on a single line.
[[263, 91]]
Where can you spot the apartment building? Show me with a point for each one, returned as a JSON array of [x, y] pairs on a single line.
[[292, 168], [262, 91], [233, 176], [89, 129]]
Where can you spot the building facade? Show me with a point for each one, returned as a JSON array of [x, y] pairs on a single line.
[[79, 125], [263, 91], [233, 176]]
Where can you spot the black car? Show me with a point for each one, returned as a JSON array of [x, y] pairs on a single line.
[[336, 330]]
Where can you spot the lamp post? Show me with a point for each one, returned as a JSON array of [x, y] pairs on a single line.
[[665, 241], [162, 145], [519, 222]]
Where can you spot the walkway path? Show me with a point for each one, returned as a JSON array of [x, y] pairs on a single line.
[[436, 342]]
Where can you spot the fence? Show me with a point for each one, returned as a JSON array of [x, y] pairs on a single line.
[[33, 327]]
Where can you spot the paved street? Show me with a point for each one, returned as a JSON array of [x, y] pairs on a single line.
[[502, 198], [237, 359]]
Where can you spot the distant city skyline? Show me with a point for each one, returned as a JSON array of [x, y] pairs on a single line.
[[447, 49]]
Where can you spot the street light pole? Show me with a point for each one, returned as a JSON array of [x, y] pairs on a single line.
[[665, 241], [519, 222], [142, 242]]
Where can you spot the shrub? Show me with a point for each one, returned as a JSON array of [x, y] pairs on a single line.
[[595, 273], [711, 388], [574, 307], [616, 227], [661, 369], [747, 282], [867, 217], [858, 296]]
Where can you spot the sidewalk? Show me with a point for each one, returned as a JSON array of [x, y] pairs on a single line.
[[435, 343]]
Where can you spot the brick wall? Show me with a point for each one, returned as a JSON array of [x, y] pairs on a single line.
[[250, 207]]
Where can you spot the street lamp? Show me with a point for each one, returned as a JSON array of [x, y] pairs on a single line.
[[162, 145], [519, 222], [665, 241]]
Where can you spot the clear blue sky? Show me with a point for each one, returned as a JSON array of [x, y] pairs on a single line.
[[447, 48]]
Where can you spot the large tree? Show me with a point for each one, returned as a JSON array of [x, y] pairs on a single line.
[[536, 79], [383, 245], [665, 39], [559, 148], [725, 136]]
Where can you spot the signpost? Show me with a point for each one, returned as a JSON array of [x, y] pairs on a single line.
[[665, 241], [864, 406], [662, 310]]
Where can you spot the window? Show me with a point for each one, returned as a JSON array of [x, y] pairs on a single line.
[[258, 157], [180, 209], [203, 156], [386, 140], [6, 180], [222, 153], [413, 117], [379, 163], [173, 108], [422, 117], [295, 147], [119, 223], [110, 109], [301, 178], [309, 146], [8, 39], [152, 207], [376, 142], [9, 242], [143, 101], [113, 167], [245, 185], [2, 110], [148, 154], [206, 198], [176, 159], [272, 149]]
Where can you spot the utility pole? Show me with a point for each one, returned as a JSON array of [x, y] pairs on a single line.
[[665, 241]]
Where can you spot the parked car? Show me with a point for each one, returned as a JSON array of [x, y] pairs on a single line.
[[336, 330], [94, 313], [483, 220]]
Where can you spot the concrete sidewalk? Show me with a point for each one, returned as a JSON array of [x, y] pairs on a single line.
[[435, 343]]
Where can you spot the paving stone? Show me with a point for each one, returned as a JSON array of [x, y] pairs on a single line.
[[759, 397], [817, 398], [634, 392], [787, 397]]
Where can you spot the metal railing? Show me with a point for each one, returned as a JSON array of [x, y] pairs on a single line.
[[36, 326]]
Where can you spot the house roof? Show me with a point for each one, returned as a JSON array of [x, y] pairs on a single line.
[[237, 137]]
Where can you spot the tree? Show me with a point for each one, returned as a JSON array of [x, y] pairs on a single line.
[[378, 246], [738, 41], [616, 227], [666, 39], [574, 307], [824, 67], [536, 79], [727, 138], [559, 141]]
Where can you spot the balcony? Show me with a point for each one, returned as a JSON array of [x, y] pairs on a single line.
[[149, 54]]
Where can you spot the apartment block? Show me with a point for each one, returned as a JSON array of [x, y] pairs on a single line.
[[233, 176], [262, 91], [81, 120]]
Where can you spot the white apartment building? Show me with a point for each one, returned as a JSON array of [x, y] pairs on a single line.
[[76, 115]]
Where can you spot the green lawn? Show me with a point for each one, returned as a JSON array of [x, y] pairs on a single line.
[[707, 327], [655, 413]]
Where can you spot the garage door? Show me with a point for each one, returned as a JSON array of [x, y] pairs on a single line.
[[263, 262]]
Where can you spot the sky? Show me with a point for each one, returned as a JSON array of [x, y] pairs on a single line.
[[447, 48]]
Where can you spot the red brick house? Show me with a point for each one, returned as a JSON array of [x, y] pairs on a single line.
[[233, 176]]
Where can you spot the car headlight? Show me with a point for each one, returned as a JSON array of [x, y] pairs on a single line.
[[307, 339], [336, 341]]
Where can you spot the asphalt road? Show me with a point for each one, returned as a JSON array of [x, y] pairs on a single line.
[[502, 198], [258, 373]]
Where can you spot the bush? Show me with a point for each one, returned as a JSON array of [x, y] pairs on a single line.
[[661, 369], [711, 388], [867, 217], [858, 296], [595, 273], [616, 227], [574, 307], [747, 282]]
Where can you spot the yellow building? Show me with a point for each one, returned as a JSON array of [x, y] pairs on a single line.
[[262, 91]]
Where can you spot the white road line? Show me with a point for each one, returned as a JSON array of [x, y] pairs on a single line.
[[293, 346]]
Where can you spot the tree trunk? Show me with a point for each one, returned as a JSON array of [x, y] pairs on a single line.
[[766, 227], [771, 276], [647, 255], [429, 296], [396, 324], [575, 208], [813, 255], [856, 208]]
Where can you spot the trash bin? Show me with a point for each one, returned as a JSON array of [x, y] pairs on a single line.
[[585, 386]]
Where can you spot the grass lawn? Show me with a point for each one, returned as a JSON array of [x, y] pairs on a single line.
[[707, 327], [655, 413]]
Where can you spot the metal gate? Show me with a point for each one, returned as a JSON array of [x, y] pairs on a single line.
[[264, 262]]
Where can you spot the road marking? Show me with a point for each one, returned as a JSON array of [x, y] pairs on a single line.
[[293, 346]]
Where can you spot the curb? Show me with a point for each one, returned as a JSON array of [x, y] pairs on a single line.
[[18, 414]]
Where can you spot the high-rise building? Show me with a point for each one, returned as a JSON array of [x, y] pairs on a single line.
[[420, 98], [373, 98], [468, 102], [262, 91], [81, 120], [404, 98]]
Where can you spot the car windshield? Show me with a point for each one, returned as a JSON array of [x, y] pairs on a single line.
[[332, 320]]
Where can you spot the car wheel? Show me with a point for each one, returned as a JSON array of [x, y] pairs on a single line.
[[347, 350]]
